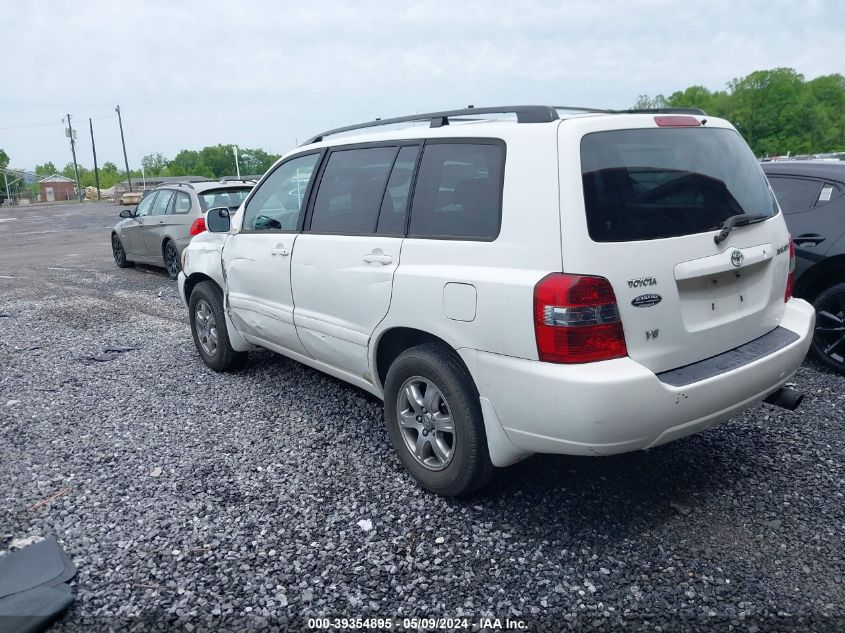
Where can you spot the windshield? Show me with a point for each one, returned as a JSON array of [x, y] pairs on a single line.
[[230, 198], [647, 184]]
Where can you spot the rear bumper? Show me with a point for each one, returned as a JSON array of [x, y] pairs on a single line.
[[618, 405]]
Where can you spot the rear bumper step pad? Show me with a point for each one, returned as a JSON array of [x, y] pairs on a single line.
[[767, 344]]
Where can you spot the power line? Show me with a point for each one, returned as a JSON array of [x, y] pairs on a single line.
[[52, 123], [32, 125]]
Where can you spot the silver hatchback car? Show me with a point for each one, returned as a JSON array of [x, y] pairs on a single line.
[[162, 225]]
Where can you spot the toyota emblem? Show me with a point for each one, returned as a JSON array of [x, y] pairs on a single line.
[[737, 258]]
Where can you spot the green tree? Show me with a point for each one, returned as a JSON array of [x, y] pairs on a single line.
[[4, 159], [47, 169], [154, 164], [644, 102], [220, 160], [776, 110], [255, 161], [184, 163]]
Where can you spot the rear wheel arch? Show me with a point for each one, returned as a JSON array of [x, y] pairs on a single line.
[[393, 341], [164, 242]]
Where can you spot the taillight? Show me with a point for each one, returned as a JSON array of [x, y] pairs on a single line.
[[790, 278], [197, 227], [576, 319]]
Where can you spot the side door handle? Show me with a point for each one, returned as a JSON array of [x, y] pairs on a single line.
[[378, 257], [808, 238], [280, 250]]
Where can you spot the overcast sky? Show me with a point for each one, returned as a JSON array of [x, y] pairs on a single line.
[[266, 74]]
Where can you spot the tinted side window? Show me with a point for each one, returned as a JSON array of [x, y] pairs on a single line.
[[458, 191], [351, 190], [795, 194], [182, 204], [145, 205], [278, 202], [162, 201], [391, 219]]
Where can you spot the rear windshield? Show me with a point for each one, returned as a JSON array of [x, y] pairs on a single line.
[[231, 198], [654, 183]]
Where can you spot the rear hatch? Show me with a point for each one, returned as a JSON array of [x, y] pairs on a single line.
[[642, 198]]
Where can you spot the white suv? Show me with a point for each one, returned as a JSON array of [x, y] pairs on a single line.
[[514, 280]]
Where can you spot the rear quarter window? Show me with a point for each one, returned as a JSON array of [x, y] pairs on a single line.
[[458, 193], [652, 183]]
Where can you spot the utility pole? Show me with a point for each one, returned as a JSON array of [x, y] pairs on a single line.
[[94, 147], [237, 162], [123, 142], [71, 135]]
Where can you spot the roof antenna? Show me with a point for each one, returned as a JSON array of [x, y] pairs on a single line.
[[470, 107]]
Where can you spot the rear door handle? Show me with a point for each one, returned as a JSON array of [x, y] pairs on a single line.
[[809, 238], [280, 250], [378, 257]]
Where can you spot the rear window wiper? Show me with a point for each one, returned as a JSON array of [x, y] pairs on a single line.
[[737, 220]]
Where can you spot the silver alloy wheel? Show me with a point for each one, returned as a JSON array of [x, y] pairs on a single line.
[[426, 423], [171, 259], [206, 326]]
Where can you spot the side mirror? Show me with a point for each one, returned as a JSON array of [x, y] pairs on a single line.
[[127, 213], [217, 220]]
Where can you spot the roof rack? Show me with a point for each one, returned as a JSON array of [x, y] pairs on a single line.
[[180, 183], [697, 111], [245, 179], [524, 114]]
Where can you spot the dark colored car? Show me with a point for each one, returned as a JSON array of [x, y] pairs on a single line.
[[812, 197]]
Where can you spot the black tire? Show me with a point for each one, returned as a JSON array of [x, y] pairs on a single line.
[[119, 253], [828, 344], [172, 263], [469, 466], [220, 357]]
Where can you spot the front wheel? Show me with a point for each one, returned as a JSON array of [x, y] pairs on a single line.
[[171, 259], [829, 337], [208, 326], [434, 420], [119, 253]]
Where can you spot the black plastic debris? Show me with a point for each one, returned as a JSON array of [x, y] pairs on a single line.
[[119, 348], [33, 593], [111, 352]]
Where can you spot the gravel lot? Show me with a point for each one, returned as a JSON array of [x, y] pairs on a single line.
[[227, 502]]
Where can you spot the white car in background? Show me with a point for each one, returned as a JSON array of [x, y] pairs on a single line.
[[514, 280]]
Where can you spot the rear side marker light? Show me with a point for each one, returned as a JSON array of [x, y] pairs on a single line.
[[197, 227], [675, 120], [790, 277], [576, 320]]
